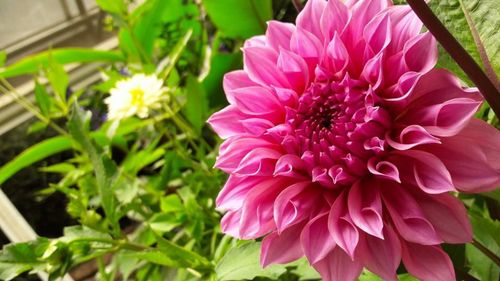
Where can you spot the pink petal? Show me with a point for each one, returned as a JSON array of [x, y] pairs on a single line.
[[316, 240], [426, 171], [257, 210], [427, 263], [256, 41], [235, 191], [363, 11], [410, 137], [308, 46], [234, 149], [444, 119], [309, 18], [294, 204], [256, 126], [295, 69], [408, 217], [382, 257], [260, 64], [472, 157], [337, 265], [258, 162], [342, 227], [255, 100], [278, 34], [289, 165], [365, 208], [235, 80], [384, 169], [377, 33], [337, 57], [230, 223], [448, 216], [225, 122], [333, 19], [405, 25], [282, 248], [421, 53]]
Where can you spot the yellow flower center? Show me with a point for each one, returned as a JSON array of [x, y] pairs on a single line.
[[137, 97]]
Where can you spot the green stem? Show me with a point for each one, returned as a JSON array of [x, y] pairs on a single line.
[[9, 89], [492, 256]]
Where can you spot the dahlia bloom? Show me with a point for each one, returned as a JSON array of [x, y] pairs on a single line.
[[344, 144], [137, 95]]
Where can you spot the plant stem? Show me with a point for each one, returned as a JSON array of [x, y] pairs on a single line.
[[480, 48], [9, 89], [298, 5], [458, 53], [492, 256]]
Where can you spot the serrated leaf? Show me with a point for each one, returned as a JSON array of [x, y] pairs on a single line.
[[18, 258], [485, 16], [105, 169], [242, 262], [486, 19]]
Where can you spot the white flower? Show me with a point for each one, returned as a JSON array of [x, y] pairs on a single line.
[[137, 95]]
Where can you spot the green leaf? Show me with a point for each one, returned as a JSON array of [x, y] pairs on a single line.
[[485, 17], [3, 57], [77, 232], [220, 64], [16, 259], [59, 168], [112, 6], [59, 81], [196, 107], [43, 99], [242, 262], [171, 204], [182, 255], [486, 232], [239, 19], [305, 271], [166, 66], [32, 64], [164, 222], [151, 17], [105, 169], [34, 154]]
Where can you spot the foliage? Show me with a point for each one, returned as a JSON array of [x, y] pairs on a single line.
[[143, 190]]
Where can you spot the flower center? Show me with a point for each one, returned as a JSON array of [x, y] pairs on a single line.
[[334, 130], [137, 97]]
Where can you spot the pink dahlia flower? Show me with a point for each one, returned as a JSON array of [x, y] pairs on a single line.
[[343, 143]]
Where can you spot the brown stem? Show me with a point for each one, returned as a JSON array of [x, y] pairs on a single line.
[[458, 53], [298, 5], [486, 252]]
